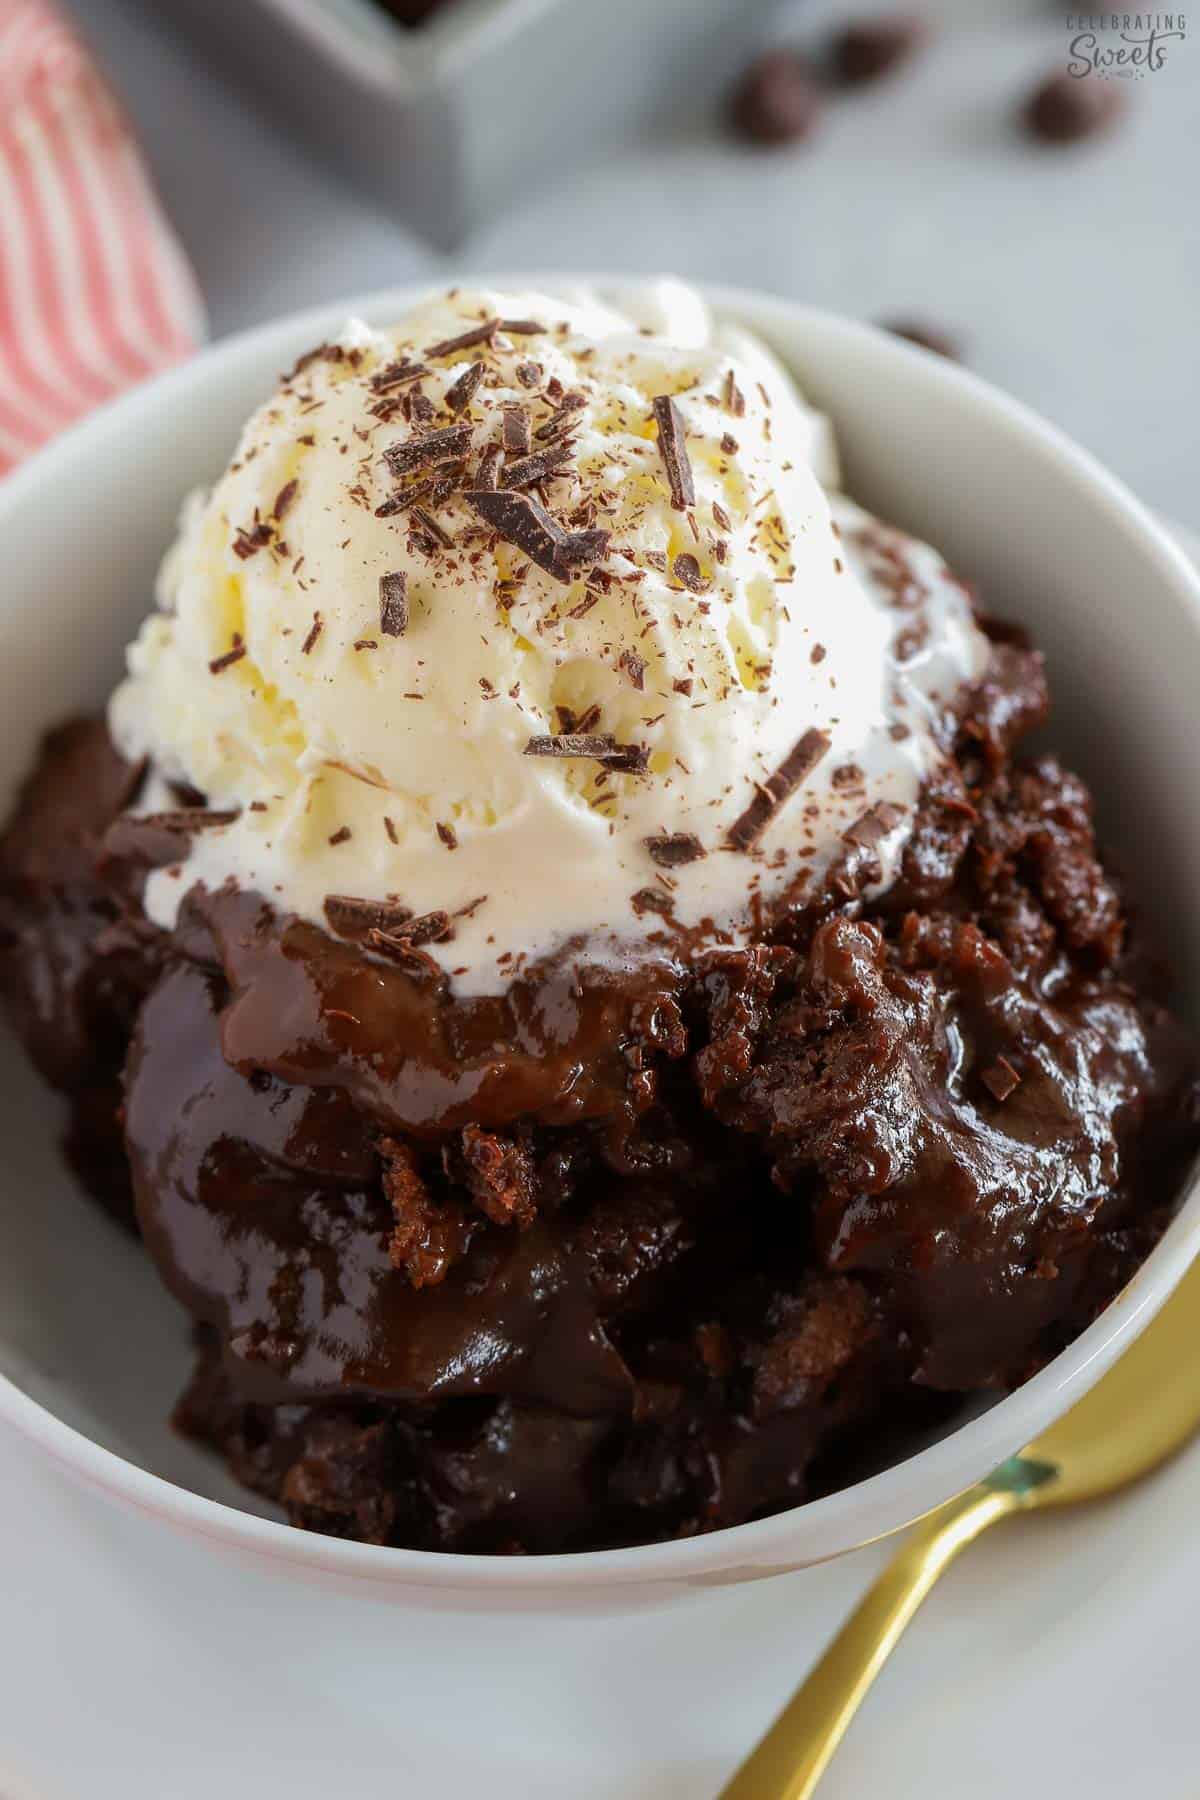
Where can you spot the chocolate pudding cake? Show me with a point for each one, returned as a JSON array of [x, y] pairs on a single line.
[[557, 949]]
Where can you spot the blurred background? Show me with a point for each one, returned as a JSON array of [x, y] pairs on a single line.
[[1066, 272]]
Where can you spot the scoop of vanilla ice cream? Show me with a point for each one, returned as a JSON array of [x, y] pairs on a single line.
[[367, 674]]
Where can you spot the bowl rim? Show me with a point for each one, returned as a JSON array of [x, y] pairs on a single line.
[[817, 1529]]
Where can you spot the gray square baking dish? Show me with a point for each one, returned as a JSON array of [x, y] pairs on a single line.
[[446, 121]]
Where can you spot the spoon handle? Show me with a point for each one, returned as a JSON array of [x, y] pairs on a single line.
[[790, 1760]]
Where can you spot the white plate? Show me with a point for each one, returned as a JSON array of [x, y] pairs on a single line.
[[1060, 1657]]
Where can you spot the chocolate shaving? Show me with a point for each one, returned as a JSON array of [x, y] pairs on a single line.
[[602, 748], [520, 327], [721, 516], [515, 431], [429, 524], [466, 340], [1001, 1079], [796, 766], [400, 502], [230, 657], [488, 473], [735, 400], [650, 900], [397, 374], [430, 928], [249, 543], [577, 549], [431, 446], [322, 353], [530, 469], [687, 571], [351, 917], [562, 420], [448, 835], [874, 825], [284, 498], [341, 836], [460, 396], [635, 667], [673, 451], [393, 603], [314, 632], [524, 522], [672, 849]]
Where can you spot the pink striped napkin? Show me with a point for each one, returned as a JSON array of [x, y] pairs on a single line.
[[95, 293]]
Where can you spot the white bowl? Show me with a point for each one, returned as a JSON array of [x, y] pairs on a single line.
[[94, 1352]]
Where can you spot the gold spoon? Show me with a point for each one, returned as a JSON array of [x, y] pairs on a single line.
[[1138, 1415]]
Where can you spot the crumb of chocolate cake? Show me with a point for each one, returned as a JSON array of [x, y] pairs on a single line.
[[500, 1177], [427, 1239]]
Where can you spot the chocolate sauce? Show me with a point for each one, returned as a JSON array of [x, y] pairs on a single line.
[[619, 1253]]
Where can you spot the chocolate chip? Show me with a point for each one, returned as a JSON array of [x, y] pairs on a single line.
[[777, 101], [867, 49], [1066, 108]]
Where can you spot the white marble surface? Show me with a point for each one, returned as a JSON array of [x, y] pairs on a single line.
[[1074, 274], [1061, 1656]]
